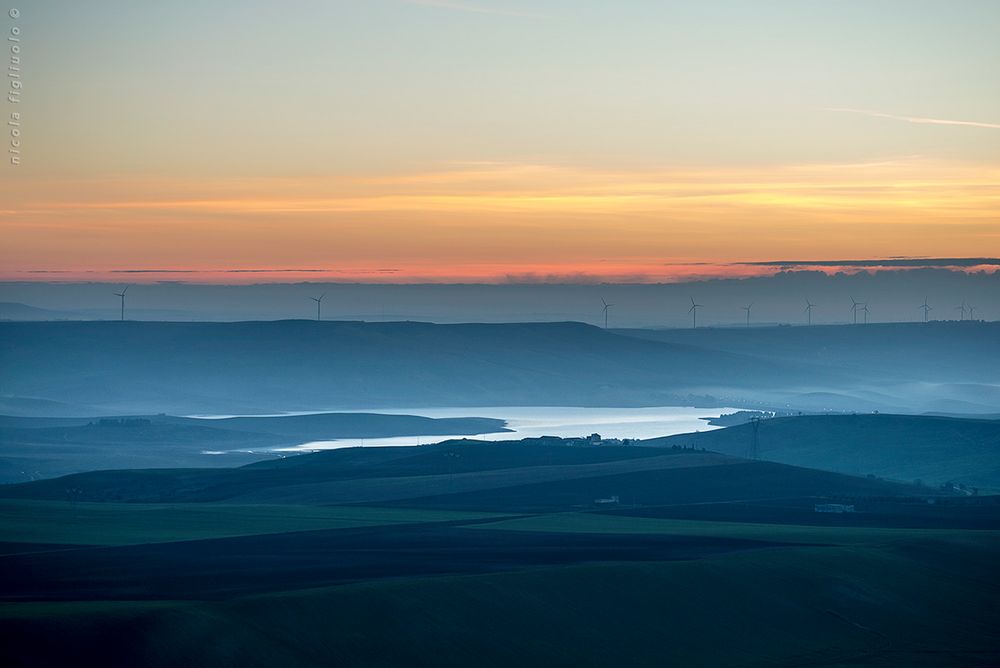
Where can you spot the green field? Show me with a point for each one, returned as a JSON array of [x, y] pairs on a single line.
[[819, 535], [64, 523], [932, 604], [497, 555]]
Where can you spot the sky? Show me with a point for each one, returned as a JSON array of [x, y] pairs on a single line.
[[491, 140]]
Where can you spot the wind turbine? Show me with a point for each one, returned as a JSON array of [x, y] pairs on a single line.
[[809, 312], [926, 308], [864, 307], [694, 313], [122, 295], [319, 304], [962, 307], [854, 309], [972, 312], [747, 309], [606, 307]]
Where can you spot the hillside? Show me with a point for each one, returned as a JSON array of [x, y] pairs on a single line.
[[934, 450], [469, 474], [884, 602], [154, 367], [953, 352], [937, 367], [495, 553], [33, 448]]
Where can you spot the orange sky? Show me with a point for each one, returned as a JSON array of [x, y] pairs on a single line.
[[491, 221]]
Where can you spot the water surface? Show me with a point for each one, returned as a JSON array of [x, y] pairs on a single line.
[[533, 421]]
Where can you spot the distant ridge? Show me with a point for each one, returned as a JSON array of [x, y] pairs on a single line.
[[246, 367], [934, 450], [135, 367]]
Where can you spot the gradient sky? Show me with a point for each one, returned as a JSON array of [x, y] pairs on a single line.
[[451, 140]]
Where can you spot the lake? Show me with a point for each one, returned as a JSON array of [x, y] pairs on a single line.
[[532, 421]]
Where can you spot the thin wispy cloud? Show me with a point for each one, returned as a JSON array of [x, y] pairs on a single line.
[[475, 9], [919, 120], [915, 263]]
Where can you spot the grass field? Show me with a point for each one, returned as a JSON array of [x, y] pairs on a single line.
[[789, 533], [711, 562], [64, 523], [786, 606]]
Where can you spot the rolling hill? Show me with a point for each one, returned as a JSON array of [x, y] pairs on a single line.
[[266, 367], [932, 449], [45, 447], [493, 553], [499, 476], [936, 367]]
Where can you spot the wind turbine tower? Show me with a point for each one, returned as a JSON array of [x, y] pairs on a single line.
[[606, 307], [747, 309], [864, 307], [694, 313], [809, 312], [122, 295], [854, 309], [319, 305], [962, 308], [926, 308]]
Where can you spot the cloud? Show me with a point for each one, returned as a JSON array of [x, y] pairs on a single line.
[[947, 262], [920, 120], [475, 9]]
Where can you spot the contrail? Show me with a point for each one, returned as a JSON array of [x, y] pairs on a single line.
[[918, 119], [462, 7]]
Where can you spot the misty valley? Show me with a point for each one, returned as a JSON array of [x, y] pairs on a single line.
[[297, 486]]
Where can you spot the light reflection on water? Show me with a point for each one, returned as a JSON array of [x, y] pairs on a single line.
[[533, 421]]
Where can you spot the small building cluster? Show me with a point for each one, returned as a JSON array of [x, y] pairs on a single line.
[[596, 439], [122, 422], [834, 508]]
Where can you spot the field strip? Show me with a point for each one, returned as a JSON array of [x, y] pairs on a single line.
[[576, 522], [62, 523], [375, 490]]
